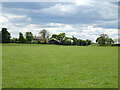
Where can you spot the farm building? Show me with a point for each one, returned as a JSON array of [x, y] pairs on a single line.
[[54, 41], [38, 38]]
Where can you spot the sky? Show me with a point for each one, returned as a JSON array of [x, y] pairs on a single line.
[[82, 19]]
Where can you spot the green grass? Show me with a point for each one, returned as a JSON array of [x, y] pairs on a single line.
[[53, 66], [0, 66]]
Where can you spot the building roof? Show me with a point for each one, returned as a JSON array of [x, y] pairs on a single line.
[[54, 41], [39, 38]]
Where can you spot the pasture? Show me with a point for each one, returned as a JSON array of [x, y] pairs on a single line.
[[54, 66]]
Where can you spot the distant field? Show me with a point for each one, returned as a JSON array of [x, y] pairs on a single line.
[[53, 66]]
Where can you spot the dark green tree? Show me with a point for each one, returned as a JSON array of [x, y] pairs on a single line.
[[29, 37], [67, 41], [105, 36], [83, 43], [5, 35], [21, 38], [88, 42], [104, 40], [110, 41], [61, 37], [74, 40], [54, 36], [79, 42], [101, 41], [14, 40]]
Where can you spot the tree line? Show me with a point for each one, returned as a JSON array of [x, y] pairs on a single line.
[[102, 40], [70, 40]]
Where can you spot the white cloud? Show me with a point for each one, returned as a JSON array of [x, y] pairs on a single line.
[[21, 23], [108, 10], [6, 21], [82, 2], [3, 19], [57, 0], [113, 23], [80, 30], [60, 9], [15, 18]]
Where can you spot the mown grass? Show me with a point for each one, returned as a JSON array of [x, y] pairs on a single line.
[[53, 66]]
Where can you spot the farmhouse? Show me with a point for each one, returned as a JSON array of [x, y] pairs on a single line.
[[38, 38]]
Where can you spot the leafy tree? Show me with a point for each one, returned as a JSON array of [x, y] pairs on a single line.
[[14, 40], [105, 36], [5, 35], [21, 38], [79, 42], [88, 42], [101, 40], [83, 43], [67, 41], [110, 41], [29, 37], [74, 40], [61, 37], [45, 34], [54, 36], [104, 40]]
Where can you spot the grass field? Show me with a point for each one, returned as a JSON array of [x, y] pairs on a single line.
[[53, 66]]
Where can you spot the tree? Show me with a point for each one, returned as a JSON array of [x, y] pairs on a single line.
[[67, 41], [83, 43], [110, 41], [105, 36], [21, 38], [104, 40], [88, 42], [29, 37], [5, 35], [74, 40], [54, 36], [61, 37], [101, 41], [14, 40], [79, 42], [45, 34]]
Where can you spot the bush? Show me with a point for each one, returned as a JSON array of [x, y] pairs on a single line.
[[35, 42], [67, 42], [115, 44], [14, 40]]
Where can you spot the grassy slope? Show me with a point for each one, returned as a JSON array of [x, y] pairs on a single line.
[[52, 66]]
